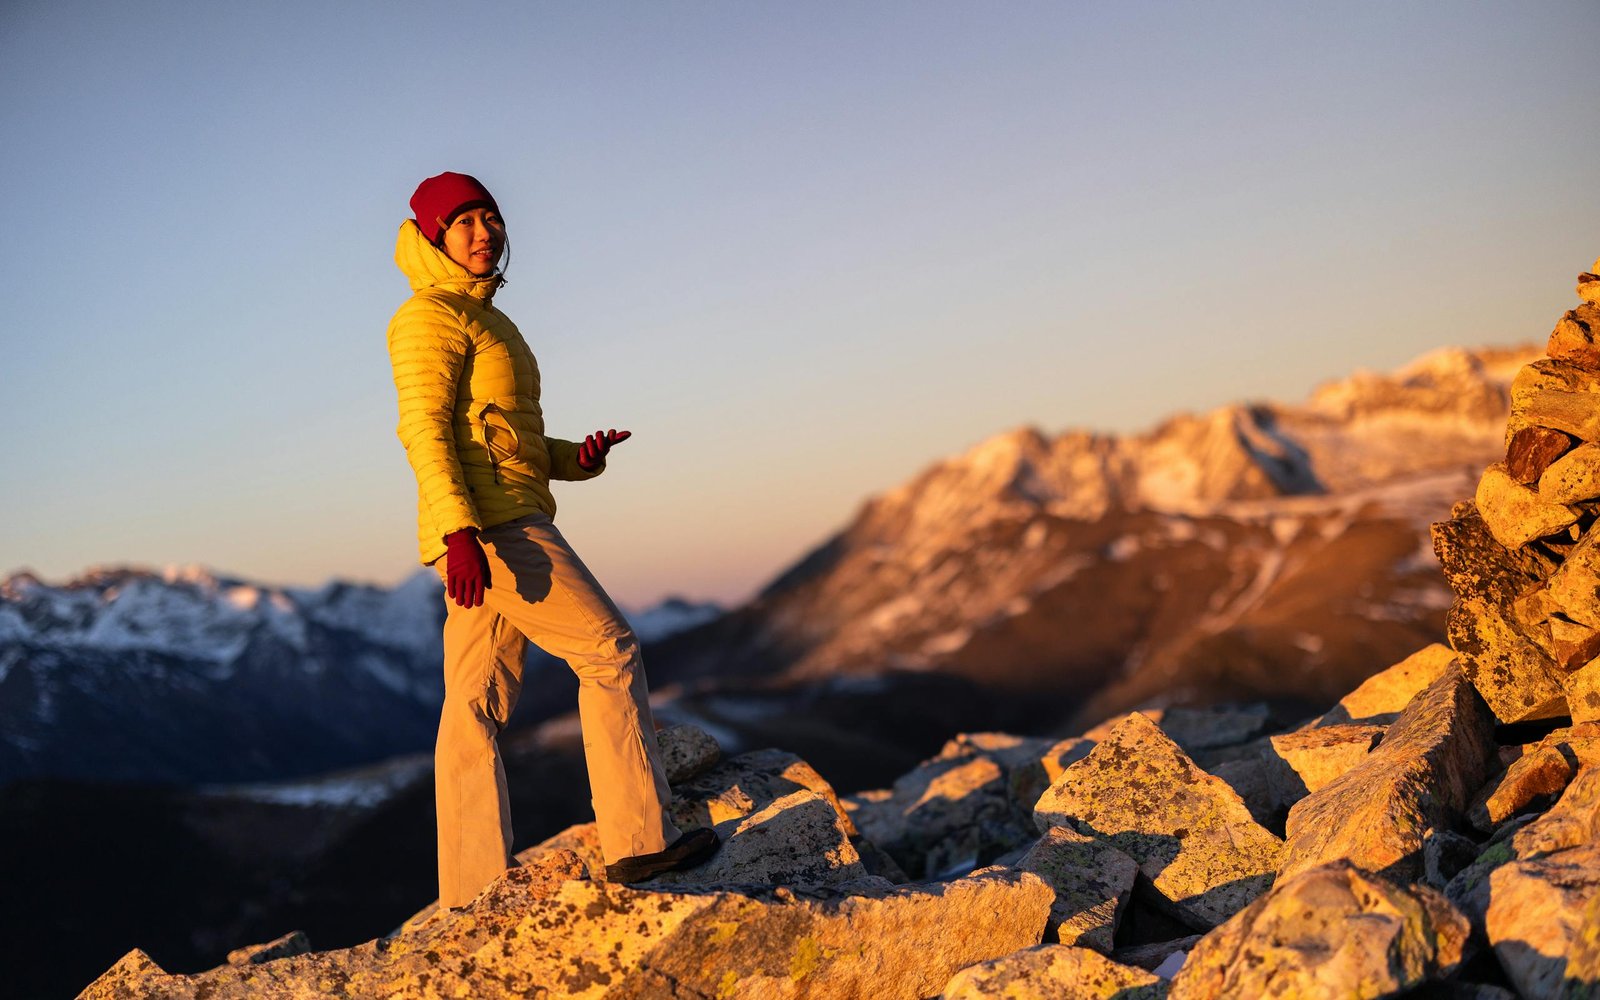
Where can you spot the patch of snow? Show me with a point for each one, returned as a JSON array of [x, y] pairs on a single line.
[[671, 616], [947, 642], [1123, 548], [356, 790], [1035, 535], [1284, 529], [1310, 643]]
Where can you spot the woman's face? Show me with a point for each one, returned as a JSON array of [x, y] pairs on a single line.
[[474, 239]]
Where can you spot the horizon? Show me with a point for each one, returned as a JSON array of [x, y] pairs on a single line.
[[802, 254], [171, 571]]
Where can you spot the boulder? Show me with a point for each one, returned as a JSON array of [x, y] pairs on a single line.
[[1421, 777], [953, 812], [1379, 699], [583, 840], [740, 785], [1555, 392], [797, 841], [1535, 778], [1302, 762], [1517, 679], [1213, 727], [534, 936], [1574, 340], [1573, 586], [1571, 644], [1531, 451], [1029, 779], [1582, 690], [1249, 780], [1477, 566], [1589, 284], [1574, 821], [1332, 931], [1054, 972], [687, 751], [1092, 881], [1203, 854], [1543, 922], [1515, 514], [1574, 477], [292, 943]]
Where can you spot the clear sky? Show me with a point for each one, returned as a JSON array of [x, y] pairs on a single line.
[[801, 249]]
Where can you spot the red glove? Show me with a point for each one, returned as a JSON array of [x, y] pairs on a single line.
[[593, 450], [466, 568]]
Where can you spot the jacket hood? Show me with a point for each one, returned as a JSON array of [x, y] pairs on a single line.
[[426, 266]]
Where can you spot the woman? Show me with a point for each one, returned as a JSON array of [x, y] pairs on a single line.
[[474, 434]]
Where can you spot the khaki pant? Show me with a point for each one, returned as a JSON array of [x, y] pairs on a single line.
[[540, 591]]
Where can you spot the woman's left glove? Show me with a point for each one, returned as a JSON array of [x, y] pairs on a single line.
[[466, 568], [592, 452]]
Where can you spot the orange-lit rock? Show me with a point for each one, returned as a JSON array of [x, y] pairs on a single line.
[[1329, 931], [1421, 777], [1054, 972], [1203, 853]]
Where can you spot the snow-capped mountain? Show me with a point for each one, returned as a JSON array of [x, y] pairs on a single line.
[[1261, 550], [185, 675]]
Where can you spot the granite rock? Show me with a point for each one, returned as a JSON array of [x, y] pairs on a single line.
[[1054, 972], [1543, 921], [1558, 393], [1203, 855], [1332, 931], [1574, 477], [1582, 690], [1306, 761], [745, 783], [1539, 774], [1517, 679], [1476, 566], [1421, 777], [1531, 451], [1576, 339], [1092, 881], [535, 936], [686, 752], [1516, 514], [797, 841], [1381, 698]]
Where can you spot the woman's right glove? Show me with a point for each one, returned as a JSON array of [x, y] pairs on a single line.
[[466, 568]]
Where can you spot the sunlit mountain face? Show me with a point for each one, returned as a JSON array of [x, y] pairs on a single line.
[[1261, 551]]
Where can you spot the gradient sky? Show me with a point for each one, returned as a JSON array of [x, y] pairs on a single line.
[[801, 249]]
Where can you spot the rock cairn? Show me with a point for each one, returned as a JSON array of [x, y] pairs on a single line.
[[1523, 555], [1406, 842]]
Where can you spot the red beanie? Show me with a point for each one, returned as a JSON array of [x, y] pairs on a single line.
[[444, 197]]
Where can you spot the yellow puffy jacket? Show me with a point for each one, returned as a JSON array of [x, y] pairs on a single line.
[[469, 402]]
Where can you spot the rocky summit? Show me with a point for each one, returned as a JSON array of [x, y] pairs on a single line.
[[1434, 832], [1431, 859]]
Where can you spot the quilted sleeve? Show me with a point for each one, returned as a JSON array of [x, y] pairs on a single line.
[[428, 345], [564, 460]]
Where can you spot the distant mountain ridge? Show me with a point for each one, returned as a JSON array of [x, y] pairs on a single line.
[[1259, 550], [129, 674]]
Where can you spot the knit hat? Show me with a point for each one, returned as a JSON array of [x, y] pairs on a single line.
[[444, 197]]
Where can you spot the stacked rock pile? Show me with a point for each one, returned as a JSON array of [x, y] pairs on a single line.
[[1523, 556]]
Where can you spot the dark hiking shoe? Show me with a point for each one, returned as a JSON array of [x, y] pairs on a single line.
[[693, 848]]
